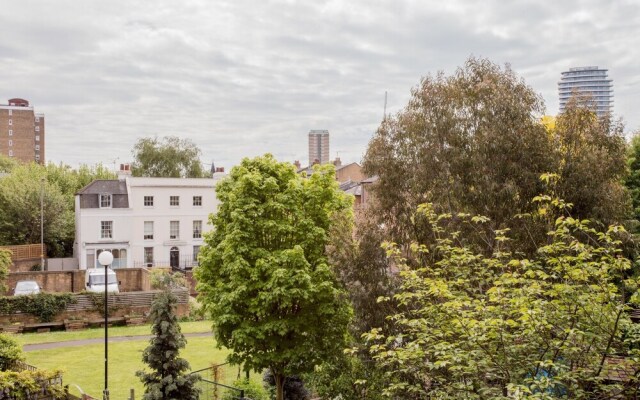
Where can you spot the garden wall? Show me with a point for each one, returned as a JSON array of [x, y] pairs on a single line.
[[90, 308], [131, 280]]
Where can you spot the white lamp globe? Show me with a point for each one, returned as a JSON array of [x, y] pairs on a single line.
[[105, 258]]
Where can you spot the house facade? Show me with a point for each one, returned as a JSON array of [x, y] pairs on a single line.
[[144, 221]]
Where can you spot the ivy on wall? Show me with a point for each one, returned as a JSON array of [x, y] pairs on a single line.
[[45, 306]]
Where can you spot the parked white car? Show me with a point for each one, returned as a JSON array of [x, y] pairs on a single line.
[[94, 280], [24, 288]]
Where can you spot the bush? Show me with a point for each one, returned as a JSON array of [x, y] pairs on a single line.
[[45, 306], [31, 385], [252, 390], [10, 352], [162, 279]]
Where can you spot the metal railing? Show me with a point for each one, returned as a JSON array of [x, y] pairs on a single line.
[[183, 263]]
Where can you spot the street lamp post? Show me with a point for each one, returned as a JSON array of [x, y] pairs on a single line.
[[105, 259]]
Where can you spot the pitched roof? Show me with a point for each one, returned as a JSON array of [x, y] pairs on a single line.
[[111, 186]]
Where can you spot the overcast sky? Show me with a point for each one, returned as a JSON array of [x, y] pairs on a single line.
[[241, 77]]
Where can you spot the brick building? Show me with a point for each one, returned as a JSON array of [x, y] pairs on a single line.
[[21, 132]]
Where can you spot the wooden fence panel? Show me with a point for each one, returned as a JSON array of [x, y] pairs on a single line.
[[26, 251]]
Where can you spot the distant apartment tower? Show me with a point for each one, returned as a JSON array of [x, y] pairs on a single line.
[[591, 82], [21, 132], [318, 146]]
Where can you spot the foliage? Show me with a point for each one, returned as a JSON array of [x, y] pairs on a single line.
[[169, 157], [168, 378], [98, 303], [473, 142], [504, 325], [5, 263], [293, 387], [20, 194], [45, 306], [580, 141], [347, 377], [10, 352], [632, 181], [26, 385], [252, 390], [162, 279], [264, 275]]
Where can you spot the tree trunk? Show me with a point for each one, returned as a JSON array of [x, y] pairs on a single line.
[[279, 386]]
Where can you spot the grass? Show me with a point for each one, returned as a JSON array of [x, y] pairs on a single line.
[[84, 365], [63, 336]]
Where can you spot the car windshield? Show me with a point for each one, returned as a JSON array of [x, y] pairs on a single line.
[[27, 285], [99, 279]]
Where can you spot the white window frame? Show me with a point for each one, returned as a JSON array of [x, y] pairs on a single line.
[[10, 112], [10, 142], [37, 119], [37, 147], [101, 196], [197, 229], [174, 230], [148, 260], [150, 200], [37, 157], [10, 132], [106, 229], [10, 153], [196, 251], [37, 129], [174, 201], [37, 138], [148, 233], [10, 122], [197, 201]]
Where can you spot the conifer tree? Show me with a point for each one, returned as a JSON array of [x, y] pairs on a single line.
[[167, 379]]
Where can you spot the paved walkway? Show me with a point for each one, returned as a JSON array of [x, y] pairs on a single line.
[[83, 342]]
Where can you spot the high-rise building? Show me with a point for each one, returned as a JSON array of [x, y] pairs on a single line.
[[592, 83], [318, 146], [21, 132]]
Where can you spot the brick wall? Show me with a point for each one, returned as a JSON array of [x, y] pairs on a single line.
[[131, 280]]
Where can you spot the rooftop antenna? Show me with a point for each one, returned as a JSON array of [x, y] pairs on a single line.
[[384, 116]]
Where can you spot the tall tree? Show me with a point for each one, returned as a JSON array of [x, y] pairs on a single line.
[[473, 142], [167, 378], [632, 181], [20, 194], [169, 157], [264, 276]]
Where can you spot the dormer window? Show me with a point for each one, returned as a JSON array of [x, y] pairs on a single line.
[[105, 201]]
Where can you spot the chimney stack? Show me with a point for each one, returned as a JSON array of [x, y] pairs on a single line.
[[125, 170], [297, 164]]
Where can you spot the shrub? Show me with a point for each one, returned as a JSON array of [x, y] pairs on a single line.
[[31, 385], [10, 352], [162, 279], [45, 306], [252, 390]]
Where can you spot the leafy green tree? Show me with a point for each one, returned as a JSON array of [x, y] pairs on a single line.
[[169, 157], [20, 192], [5, 264], [10, 352], [167, 378], [632, 181], [474, 142], [503, 325], [264, 276]]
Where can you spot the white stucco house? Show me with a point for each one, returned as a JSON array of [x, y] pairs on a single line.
[[143, 221]]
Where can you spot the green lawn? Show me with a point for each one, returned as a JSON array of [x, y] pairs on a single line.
[[63, 336], [84, 366]]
